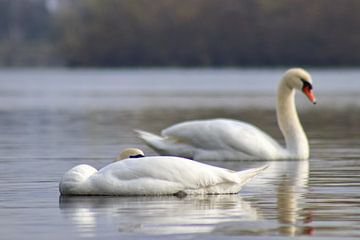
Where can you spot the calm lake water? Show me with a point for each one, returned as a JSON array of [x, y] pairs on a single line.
[[52, 120]]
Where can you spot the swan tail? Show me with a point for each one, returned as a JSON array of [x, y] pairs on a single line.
[[166, 145], [246, 175], [75, 181], [154, 141], [148, 137]]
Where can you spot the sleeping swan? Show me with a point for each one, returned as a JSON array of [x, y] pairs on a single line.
[[158, 175], [234, 140]]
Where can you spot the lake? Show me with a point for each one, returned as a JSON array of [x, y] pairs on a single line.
[[54, 119]]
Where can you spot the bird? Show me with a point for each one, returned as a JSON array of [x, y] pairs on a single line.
[[154, 175], [229, 139]]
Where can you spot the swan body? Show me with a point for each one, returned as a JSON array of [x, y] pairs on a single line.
[[158, 175], [235, 140], [215, 139]]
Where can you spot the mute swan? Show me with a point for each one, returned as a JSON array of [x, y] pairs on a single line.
[[234, 140], [158, 175]]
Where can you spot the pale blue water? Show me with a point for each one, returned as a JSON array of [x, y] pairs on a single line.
[[51, 120]]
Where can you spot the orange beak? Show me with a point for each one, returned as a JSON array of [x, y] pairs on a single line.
[[308, 92]]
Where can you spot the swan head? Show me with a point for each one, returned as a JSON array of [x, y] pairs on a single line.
[[301, 80], [130, 153]]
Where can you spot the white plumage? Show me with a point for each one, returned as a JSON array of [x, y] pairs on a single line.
[[235, 140], [214, 139], [156, 175]]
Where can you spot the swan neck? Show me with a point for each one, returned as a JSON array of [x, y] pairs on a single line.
[[296, 141]]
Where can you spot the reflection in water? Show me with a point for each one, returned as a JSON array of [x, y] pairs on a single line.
[[155, 215], [290, 194], [87, 219], [51, 121], [285, 182]]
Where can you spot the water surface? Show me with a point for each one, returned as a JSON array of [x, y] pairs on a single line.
[[52, 120]]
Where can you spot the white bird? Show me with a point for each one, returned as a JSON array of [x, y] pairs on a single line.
[[158, 175], [235, 140]]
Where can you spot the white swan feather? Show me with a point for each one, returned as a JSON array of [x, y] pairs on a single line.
[[157, 175], [235, 140]]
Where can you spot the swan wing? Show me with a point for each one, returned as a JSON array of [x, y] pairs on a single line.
[[175, 169], [224, 135], [160, 175]]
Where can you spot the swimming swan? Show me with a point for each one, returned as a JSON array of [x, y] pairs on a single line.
[[234, 140], [158, 175]]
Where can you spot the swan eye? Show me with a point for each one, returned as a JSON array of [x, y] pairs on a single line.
[[306, 84]]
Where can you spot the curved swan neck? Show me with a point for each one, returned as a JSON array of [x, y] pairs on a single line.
[[296, 141]]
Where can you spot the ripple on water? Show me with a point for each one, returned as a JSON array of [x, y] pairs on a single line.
[[43, 135]]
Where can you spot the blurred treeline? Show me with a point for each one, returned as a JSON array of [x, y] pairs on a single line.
[[179, 32]]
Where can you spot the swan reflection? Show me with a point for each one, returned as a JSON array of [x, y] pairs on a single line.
[[284, 185], [291, 192], [155, 215]]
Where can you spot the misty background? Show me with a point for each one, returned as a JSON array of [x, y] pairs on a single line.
[[113, 33]]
